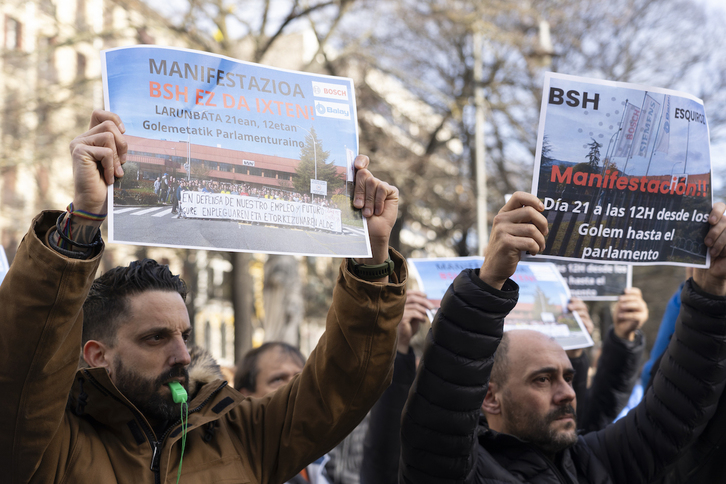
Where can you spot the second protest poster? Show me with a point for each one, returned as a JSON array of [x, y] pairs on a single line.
[[624, 172], [542, 303], [231, 155]]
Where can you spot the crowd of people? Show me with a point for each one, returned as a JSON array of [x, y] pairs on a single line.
[[479, 406], [168, 191]]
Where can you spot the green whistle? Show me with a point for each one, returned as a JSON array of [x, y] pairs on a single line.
[[177, 392]]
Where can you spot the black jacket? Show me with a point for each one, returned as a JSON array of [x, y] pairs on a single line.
[[382, 445], [617, 371], [704, 461], [439, 436]]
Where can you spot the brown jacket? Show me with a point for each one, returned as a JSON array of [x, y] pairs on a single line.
[[96, 436]]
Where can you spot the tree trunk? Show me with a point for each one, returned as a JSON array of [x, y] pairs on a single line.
[[190, 276], [242, 301], [283, 300]]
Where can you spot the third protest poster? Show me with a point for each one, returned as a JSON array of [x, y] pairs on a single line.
[[624, 172]]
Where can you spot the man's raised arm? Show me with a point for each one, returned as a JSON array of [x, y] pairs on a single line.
[[689, 381], [438, 433], [40, 305], [353, 362]]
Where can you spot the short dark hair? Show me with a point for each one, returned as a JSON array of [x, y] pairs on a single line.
[[500, 367], [245, 376], [107, 302]]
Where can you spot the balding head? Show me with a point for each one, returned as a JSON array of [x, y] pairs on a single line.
[[522, 342], [530, 391]]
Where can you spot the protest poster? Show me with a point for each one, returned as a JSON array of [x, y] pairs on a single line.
[[543, 296], [4, 266], [592, 281], [230, 155], [624, 172]]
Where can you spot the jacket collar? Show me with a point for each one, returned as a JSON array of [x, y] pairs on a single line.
[[524, 459], [93, 395]]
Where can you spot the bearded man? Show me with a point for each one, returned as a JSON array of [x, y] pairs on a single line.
[[116, 420], [522, 380]]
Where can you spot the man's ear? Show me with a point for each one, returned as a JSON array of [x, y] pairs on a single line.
[[492, 404], [94, 352]]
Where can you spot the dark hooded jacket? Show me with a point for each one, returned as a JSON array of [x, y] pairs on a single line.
[[442, 442], [705, 460]]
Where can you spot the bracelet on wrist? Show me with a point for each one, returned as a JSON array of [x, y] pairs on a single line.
[[73, 254], [96, 217], [97, 240]]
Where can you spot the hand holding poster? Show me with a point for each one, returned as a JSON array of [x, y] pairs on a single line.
[[543, 297], [232, 155], [624, 172]]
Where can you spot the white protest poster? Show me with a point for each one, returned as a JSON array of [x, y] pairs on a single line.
[[624, 172], [234, 156], [4, 266], [543, 296]]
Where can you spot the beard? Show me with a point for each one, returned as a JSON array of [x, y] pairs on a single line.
[[538, 430], [146, 394]]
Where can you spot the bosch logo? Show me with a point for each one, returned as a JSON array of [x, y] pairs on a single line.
[[316, 90], [335, 92]]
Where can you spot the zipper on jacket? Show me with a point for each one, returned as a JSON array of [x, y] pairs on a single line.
[[155, 444], [560, 475], [155, 461], [155, 457]]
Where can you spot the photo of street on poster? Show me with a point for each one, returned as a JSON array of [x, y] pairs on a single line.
[[624, 172], [543, 296], [234, 156]]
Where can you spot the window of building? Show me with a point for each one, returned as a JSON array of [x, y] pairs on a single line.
[[80, 66], [46, 59], [81, 15], [223, 337], [13, 33], [208, 335]]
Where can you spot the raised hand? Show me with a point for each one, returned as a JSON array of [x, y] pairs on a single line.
[[519, 226], [629, 314], [98, 156], [379, 203], [414, 313], [713, 279]]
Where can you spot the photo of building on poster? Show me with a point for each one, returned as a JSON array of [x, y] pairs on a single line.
[[228, 155], [624, 172], [543, 296]]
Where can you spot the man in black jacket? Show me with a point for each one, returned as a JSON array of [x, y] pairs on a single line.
[[597, 406], [529, 401]]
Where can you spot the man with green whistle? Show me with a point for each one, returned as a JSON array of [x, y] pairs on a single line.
[[123, 414]]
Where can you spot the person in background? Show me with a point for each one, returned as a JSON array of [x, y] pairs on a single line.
[[265, 369], [382, 445], [618, 365]]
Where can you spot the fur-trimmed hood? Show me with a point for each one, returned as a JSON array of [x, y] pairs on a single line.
[[203, 369]]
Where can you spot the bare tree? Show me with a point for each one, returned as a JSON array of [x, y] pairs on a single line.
[[427, 46]]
